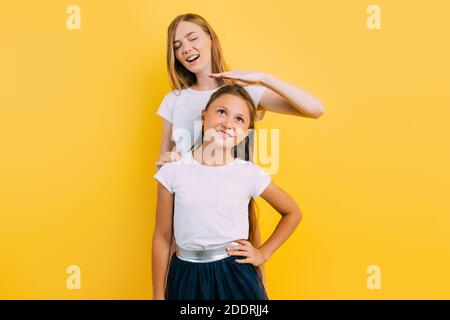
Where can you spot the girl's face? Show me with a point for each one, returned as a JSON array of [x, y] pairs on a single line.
[[192, 47], [226, 121]]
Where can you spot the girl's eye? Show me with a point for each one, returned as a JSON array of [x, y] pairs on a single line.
[[221, 111], [240, 119], [193, 39]]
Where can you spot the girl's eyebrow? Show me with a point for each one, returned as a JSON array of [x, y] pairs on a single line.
[[239, 114], [186, 35]]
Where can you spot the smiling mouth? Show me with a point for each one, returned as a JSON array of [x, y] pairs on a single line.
[[224, 133], [193, 58]]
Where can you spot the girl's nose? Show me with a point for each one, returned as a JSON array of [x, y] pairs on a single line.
[[226, 124]]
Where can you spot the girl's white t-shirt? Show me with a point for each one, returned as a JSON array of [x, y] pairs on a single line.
[[211, 202], [183, 109]]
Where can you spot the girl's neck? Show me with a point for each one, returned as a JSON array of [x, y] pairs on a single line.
[[212, 156]]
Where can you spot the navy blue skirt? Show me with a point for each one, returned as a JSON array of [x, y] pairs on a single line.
[[223, 279]]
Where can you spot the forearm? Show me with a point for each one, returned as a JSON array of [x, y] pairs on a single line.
[[160, 259], [298, 98], [167, 143], [166, 146], [285, 227]]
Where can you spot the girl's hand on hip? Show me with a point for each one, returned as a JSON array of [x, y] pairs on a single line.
[[168, 156], [246, 249], [250, 77]]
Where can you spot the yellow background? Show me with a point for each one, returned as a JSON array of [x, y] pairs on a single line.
[[79, 137]]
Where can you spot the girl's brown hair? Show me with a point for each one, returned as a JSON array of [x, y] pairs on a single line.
[[179, 76]]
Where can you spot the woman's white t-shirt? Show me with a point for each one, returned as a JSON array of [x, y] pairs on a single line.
[[211, 202], [183, 109]]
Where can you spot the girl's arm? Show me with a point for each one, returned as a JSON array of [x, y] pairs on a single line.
[[280, 96], [291, 217], [166, 153], [162, 237]]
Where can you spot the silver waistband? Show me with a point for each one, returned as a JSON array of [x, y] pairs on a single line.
[[205, 255]]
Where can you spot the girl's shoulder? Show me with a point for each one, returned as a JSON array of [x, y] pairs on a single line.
[[249, 166]]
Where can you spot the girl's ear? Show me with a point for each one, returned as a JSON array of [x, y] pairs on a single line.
[[203, 117]]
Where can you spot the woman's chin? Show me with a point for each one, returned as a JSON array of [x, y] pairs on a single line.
[[195, 68]]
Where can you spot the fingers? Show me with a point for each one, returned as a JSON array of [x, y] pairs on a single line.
[[172, 156], [243, 242], [239, 253], [237, 248], [246, 260], [168, 156], [225, 75]]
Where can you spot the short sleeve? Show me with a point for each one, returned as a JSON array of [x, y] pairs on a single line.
[[260, 181], [165, 176], [256, 92], [166, 107]]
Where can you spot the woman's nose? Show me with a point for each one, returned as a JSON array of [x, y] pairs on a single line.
[[186, 48]]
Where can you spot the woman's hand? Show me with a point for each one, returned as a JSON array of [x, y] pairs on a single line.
[[168, 156], [250, 77], [246, 249]]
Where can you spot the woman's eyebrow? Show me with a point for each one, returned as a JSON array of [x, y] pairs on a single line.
[[186, 35]]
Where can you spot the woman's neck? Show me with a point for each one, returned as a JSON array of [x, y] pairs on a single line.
[[210, 155], [205, 82]]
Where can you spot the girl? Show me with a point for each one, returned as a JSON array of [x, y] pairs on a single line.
[[212, 192]]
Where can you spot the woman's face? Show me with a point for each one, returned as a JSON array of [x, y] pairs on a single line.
[[226, 121], [192, 47]]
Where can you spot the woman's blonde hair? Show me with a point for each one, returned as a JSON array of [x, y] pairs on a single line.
[[179, 76]]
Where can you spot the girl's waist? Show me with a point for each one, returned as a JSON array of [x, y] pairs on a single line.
[[205, 255]]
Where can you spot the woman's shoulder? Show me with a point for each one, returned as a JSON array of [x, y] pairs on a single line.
[[175, 94], [171, 99]]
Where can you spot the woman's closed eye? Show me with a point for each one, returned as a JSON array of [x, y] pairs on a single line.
[[178, 46]]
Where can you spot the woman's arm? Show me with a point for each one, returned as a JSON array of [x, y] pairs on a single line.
[[166, 142], [166, 153], [162, 237], [283, 97], [280, 96], [291, 217]]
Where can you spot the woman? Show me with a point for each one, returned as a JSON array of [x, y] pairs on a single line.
[[197, 68]]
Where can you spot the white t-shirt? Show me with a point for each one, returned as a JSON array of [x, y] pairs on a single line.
[[211, 202], [183, 109]]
